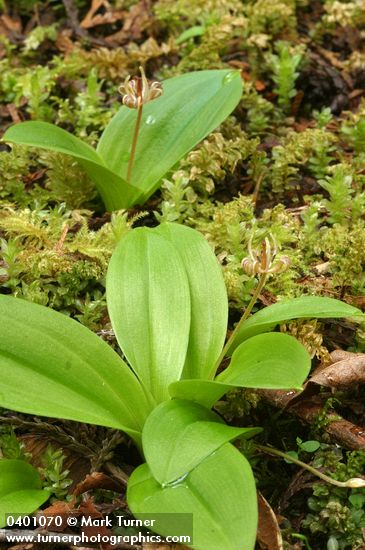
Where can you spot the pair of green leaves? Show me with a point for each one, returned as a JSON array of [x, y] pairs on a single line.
[[168, 306], [192, 469], [191, 106]]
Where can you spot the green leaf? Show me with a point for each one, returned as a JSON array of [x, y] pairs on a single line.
[[178, 435], [20, 489], [51, 137], [197, 30], [191, 107], [310, 446], [220, 494], [305, 307], [115, 192], [272, 360], [171, 127], [204, 392], [51, 365], [269, 360], [208, 296], [149, 305]]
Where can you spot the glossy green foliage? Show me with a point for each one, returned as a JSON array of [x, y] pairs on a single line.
[[208, 299], [208, 477], [149, 305], [205, 392], [178, 435], [163, 286], [20, 489], [270, 360], [191, 107], [305, 307], [52, 366], [168, 308]]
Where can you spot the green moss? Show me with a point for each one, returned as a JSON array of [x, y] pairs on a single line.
[[52, 258]]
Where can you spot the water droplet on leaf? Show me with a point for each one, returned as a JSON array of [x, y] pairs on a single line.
[[229, 77], [150, 120]]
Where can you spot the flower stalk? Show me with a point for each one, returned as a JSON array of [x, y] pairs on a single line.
[[136, 93], [263, 263], [352, 483]]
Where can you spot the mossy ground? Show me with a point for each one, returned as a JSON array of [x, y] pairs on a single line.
[[289, 162]]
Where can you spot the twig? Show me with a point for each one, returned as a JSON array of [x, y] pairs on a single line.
[[341, 431], [72, 14], [257, 187], [73, 17], [58, 247], [116, 472]]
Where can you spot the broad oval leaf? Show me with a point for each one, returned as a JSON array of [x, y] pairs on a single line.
[[149, 305], [191, 106], [115, 192], [51, 365], [220, 494], [178, 435], [20, 489], [272, 360], [305, 307], [208, 296]]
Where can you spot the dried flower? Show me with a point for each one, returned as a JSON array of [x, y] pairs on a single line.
[[264, 260], [137, 91]]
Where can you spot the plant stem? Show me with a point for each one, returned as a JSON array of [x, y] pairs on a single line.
[[260, 285], [257, 187], [134, 142], [349, 483]]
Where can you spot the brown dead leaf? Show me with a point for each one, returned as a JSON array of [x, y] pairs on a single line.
[[136, 21], [93, 19], [98, 480], [59, 509], [77, 465], [268, 531], [238, 64], [246, 76], [260, 85], [10, 26], [88, 509], [347, 371], [13, 112], [357, 301], [64, 42]]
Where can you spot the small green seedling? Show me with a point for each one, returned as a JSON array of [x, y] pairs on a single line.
[[147, 137], [168, 307]]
